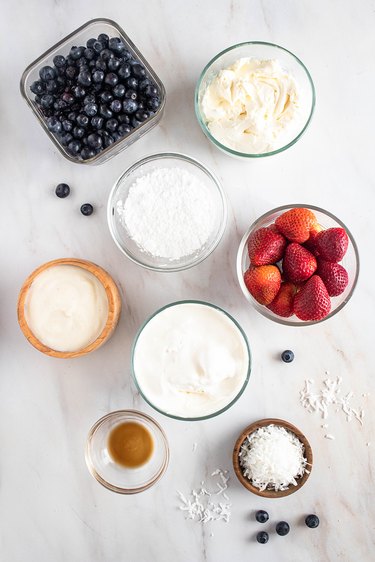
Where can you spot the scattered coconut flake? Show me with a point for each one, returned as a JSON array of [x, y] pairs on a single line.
[[195, 445], [324, 426], [329, 436], [368, 444], [202, 505]]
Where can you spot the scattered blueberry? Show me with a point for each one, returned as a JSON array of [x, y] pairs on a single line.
[[38, 87], [47, 73], [261, 516], [282, 528], [116, 44], [312, 521], [287, 356], [62, 190], [262, 537], [76, 52], [87, 209], [59, 61], [103, 38]]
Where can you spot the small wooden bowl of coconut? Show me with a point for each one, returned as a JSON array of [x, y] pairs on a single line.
[[272, 458]]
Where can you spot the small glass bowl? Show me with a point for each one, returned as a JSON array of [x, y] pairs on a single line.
[[197, 418], [121, 190], [118, 478], [350, 262], [265, 51], [90, 29]]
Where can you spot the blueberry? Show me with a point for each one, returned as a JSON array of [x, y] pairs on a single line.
[[262, 537], [108, 139], [67, 125], [132, 82], [106, 55], [78, 132], [115, 137], [101, 65], [111, 125], [111, 79], [46, 101], [60, 105], [54, 125], [82, 64], [67, 98], [134, 122], [87, 209], [84, 78], [89, 99], [82, 120], [151, 91], [119, 90], [65, 138], [38, 99], [141, 115], [125, 55], [70, 72], [74, 147], [143, 84], [61, 82], [130, 106], [90, 109], [153, 104], [72, 116], [76, 52], [62, 190], [261, 516], [287, 356], [124, 71], [131, 94], [282, 528], [47, 73], [78, 92], [98, 46], [106, 97], [141, 105], [116, 44], [59, 61], [124, 130], [97, 122], [103, 38], [98, 76], [87, 153], [123, 118], [38, 87], [116, 106], [89, 53], [312, 521], [90, 43], [113, 64], [94, 141], [105, 112], [51, 86], [138, 71]]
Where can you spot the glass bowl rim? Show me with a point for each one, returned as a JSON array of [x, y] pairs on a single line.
[[227, 406], [265, 312], [109, 149], [160, 156], [105, 483], [249, 154]]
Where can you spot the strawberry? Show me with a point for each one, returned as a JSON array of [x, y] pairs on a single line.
[[332, 244], [265, 246], [334, 276], [296, 224], [310, 243], [282, 304], [298, 264], [312, 302], [263, 282]]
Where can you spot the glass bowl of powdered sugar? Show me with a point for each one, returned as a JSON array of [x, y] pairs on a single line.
[[167, 212]]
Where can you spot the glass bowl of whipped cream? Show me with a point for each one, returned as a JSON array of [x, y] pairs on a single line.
[[191, 360], [254, 99]]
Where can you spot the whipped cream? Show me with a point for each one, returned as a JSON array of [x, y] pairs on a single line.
[[252, 106], [190, 360], [66, 307]]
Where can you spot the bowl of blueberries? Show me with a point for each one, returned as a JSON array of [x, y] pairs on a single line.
[[94, 93]]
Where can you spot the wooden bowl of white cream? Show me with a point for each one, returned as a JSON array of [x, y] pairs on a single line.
[[68, 307]]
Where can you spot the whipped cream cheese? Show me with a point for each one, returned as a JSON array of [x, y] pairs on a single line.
[[190, 360], [252, 106], [66, 307]]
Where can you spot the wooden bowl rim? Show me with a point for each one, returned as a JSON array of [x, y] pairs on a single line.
[[246, 482], [114, 307]]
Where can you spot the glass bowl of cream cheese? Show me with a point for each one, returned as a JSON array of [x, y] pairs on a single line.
[[254, 99], [191, 360], [68, 307]]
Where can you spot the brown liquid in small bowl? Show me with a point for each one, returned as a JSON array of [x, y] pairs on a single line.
[[130, 444]]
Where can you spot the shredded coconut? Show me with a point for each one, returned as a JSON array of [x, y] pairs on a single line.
[[168, 213], [203, 504], [272, 457]]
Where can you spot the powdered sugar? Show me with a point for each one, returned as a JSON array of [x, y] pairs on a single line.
[[168, 213]]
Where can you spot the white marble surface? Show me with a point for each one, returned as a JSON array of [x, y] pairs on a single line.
[[50, 507]]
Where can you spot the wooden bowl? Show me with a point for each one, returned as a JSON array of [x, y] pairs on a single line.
[[114, 308], [247, 483]]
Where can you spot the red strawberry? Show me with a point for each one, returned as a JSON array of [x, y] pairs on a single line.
[[312, 302], [296, 224], [265, 246], [263, 282], [282, 304], [334, 276], [310, 243], [332, 244], [298, 264]]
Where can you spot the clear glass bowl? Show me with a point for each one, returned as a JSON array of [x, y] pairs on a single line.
[[90, 29], [265, 51], [197, 418], [118, 478], [121, 189], [350, 262]]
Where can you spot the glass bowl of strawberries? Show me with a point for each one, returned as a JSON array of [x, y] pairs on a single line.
[[298, 265]]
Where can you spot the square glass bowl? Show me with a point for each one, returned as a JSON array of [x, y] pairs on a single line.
[[92, 28]]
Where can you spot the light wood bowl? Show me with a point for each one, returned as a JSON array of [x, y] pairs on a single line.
[[114, 308], [247, 483]]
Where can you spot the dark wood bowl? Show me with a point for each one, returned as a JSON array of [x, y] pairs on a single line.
[[247, 483]]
